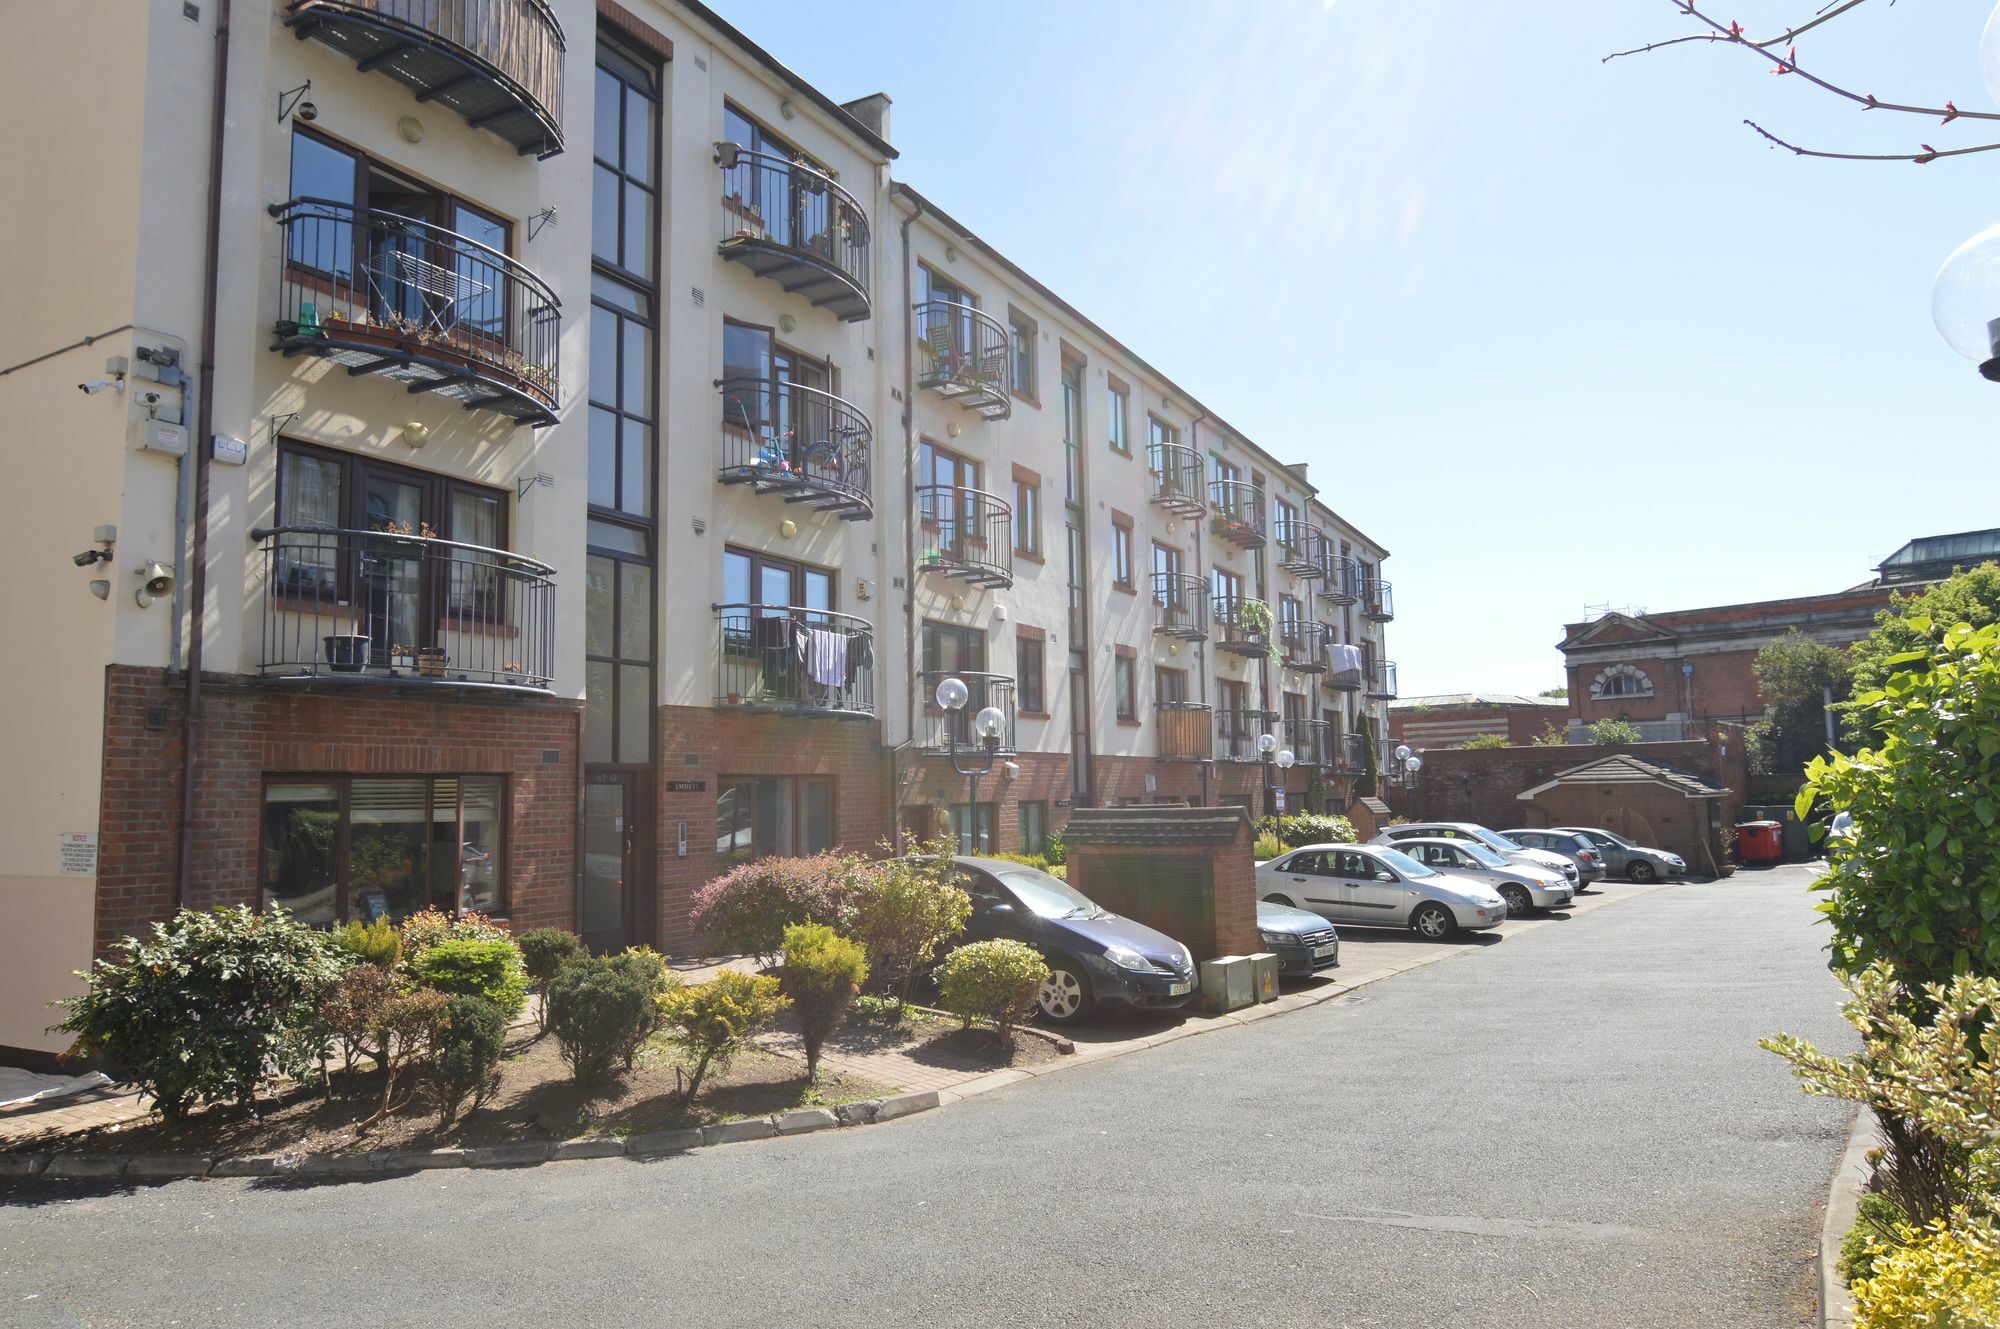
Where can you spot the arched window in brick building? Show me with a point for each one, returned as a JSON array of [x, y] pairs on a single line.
[[1621, 681]]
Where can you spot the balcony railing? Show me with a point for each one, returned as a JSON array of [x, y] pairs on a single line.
[[1237, 732], [1311, 742], [802, 444], [1380, 680], [1185, 730], [965, 533], [1302, 644], [940, 726], [1301, 548], [1378, 600], [1236, 510], [405, 300], [498, 63], [1239, 629], [1349, 754], [346, 606], [1176, 472], [964, 356], [1339, 583], [791, 222], [1182, 601], [789, 658]]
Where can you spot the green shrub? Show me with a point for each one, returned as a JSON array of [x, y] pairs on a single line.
[[1267, 847], [407, 1032], [1035, 861], [1879, 1227], [489, 969], [1307, 828], [1054, 848], [1944, 1277], [747, 909], [599, 1016], [709, 1023], [1483, 742], [908, 908], [208, 1004], [351, 1011], [994, 981], [376, 943], [1614, 731], [465, 1053], [544, 951], [428, 927], [873, 1008], [646, 967], [823, 972]]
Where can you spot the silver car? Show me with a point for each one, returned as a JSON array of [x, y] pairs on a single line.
[[1588, 859], [1466, 830], [1363, 885], [1522, 887], [1634, 862]]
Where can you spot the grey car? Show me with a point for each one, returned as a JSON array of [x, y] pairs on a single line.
[[1466, 830], [1589, 859], [1634, 862], [1374, 886], [1523, 888]]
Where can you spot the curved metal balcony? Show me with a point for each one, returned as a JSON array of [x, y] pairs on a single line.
[[1185, 731], [498, 63], [1380, 679], [1301, 548], [1311, 742], [1235, 630], [942, 728], [1236, 512], [1339, 583], [405, 300], [799, 443], [1237, 732], [1349, 754], [790, 658], [1182, 601], [1378, 600], [965, 533], [387, 608], [1302, 645], [1176, 472], [791, 222], [963, 355]]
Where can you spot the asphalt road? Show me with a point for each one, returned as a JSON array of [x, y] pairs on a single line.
[[1570, 1127]]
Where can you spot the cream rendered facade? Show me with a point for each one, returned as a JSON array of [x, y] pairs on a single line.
[[97, 745]]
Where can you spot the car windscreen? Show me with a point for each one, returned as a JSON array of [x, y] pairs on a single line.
[[1497, 842], [1049, 897], [1406, 865], [1607, 838], [1483, 856]]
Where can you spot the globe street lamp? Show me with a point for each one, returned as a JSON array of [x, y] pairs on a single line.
[[1965, 297], [988, 725], [1275, 759]]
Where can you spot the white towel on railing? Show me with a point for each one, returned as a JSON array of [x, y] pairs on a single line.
[[1346, 658], [826, 657]]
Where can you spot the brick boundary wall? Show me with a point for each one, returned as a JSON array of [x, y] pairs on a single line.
[[1480, 784]]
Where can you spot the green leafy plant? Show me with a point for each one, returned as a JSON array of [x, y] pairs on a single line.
[[599, 1016], [208, 1004], [466, 1044], [1917, 882], [1879, 1227], [1485, 742], [710, 1023], [1914, 625], [1307, 828], [823, 973], [910, 906], [747, 909], [376, 943], [1553, 735], [405, 1032], [490, 969], [1614, 731], [994, 981], [1055, 848], [1794, 674], [1267, 847], [873, 1008], [646, 967], [428, 927], [544, 951]]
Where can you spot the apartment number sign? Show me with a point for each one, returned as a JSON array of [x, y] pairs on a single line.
[[686, 786]]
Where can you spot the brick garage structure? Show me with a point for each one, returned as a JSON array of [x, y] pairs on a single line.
[[250, 731], [1652, 804], [1481, 784], [1185, 871]]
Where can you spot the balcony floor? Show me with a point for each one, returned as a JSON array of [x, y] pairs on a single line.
[[423, 369], [802, 273]]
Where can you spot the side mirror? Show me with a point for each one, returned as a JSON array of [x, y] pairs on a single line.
[[1000, 909], [1385, 875]]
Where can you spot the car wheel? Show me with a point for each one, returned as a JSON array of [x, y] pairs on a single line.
[[1519, 902], [1433, 922], [1065, 994], [1641, 872]]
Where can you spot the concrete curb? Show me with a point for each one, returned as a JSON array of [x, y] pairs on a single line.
[[1843, 1203]]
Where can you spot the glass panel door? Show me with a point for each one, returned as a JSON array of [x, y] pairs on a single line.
[[390, 593], [610, 828]]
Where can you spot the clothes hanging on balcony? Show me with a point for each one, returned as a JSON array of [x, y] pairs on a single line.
[[824, 655], [1346, 658]]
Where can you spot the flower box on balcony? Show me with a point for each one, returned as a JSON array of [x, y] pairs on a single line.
[[347, 652]]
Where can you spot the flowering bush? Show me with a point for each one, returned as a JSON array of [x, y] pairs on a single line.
[[747, 909], [994, 981]]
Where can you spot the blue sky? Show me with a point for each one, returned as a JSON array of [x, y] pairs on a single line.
[[1558, 332]]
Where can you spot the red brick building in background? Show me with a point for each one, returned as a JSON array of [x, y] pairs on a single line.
[[1450, 720]]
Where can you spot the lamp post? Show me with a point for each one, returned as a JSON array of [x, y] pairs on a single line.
[[1275, 760], [989, 724], [1965, 297]]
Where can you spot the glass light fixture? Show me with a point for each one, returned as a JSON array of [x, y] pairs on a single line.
[[1402, 752], [951, 695], [1285, 760], [990, 722], [1267, 743], [1965, 300], [1413, 764]]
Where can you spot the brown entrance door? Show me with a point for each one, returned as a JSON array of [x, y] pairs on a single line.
[[607, 920]]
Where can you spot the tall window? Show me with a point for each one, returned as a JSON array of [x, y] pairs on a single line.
[[1121, 552], [624, 194], [1073, 543], [1125, 685], [1072, 422], [1034, 825], [1228, 586], [1118, 416], [1166, 574], [365, 848], [973, 829], [1286, 519], [1021, 354], [1027, 513], [1030, 666], [618, 646]]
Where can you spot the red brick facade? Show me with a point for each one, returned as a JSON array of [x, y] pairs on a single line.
[[1136, 862], [1481, 785], [249, 731]]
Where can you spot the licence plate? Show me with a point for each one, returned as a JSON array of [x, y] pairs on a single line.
[[1321, 952], [1179, 989]]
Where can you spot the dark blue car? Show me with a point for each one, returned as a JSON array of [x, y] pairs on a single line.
[[1303, 942], [1094, 955]]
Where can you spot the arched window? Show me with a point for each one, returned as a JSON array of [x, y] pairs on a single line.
[[1621, 681]]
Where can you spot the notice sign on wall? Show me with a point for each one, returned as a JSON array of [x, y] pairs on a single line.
[[77, 854]]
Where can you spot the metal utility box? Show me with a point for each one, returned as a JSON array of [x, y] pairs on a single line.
[[1264, 976], [1225, 984]]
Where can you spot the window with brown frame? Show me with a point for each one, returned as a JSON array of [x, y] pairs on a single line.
[[1029, 650], [1027, 513], [1118, 416], [761, 816], [1021, 347], [1121, 551], [1125, 684]]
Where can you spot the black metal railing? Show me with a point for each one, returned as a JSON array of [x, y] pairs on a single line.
[[1311, 741], [1236, 512], [1240, 629], [387, 606], [1302, 645], [383, 294], [965, 533], [498, 63], [1301, 547], [1176, 472], [963, 354], [1185, 731], [1378, 600], [1237, 732], [1350, 753], [791, 221], [802, 443], [1339, 583], [942, 727], [790, 658], [1380, 679], [1182, 601]]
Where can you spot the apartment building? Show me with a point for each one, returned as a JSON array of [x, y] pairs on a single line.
[[568, 468]]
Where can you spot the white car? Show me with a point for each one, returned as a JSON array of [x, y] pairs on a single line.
[[1365, 885], [1522, 887], [1498, 843]]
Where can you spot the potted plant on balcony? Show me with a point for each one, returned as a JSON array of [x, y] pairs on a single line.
[[513, 672], [431, 661], [402, 656], [346, 652]]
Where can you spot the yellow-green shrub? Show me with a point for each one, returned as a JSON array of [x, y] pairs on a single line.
[[995, 981], [711, 1022], [1945, 1278], [823, 972]]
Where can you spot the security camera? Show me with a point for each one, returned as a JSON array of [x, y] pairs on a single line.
[[307, 111], [90, 387], [90, 556], [157, 576]]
